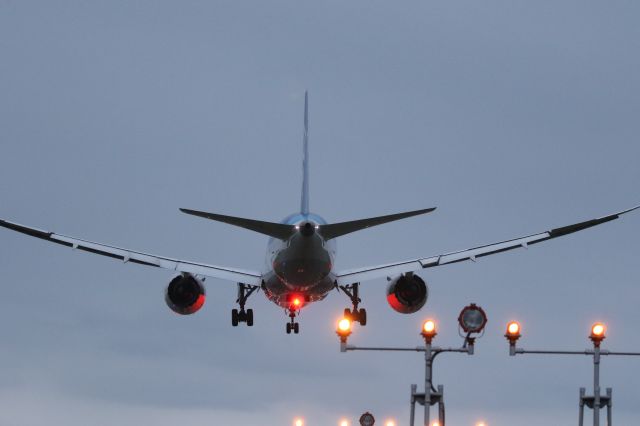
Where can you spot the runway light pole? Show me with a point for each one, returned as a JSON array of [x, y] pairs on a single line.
[[595, 402], [472, 320]]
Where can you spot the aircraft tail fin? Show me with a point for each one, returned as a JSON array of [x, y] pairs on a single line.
[[333, 230], [304, 203]]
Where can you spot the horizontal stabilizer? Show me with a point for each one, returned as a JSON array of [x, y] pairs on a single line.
[[334, 230], [275, 230]]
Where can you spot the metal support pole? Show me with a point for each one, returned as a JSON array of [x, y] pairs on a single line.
[[427, 383], [441, 405], [596, 386], [581, 412], [609, 397], [412, 415]]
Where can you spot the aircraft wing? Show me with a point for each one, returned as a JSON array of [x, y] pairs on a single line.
[[394, 269], [125, 255]]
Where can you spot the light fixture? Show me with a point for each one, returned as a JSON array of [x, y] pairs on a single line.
[[344, 329], [512, 335], [367, 419], [472, 319], [597, 333]]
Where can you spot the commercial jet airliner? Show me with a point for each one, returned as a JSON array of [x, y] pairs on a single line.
[[299, 263]]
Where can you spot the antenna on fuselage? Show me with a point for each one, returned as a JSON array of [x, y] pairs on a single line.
[[304, 204]]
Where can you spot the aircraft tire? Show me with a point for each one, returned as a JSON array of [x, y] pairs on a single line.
[[347, 313], [296, 328], [288, 328], [250, 317], [362, 317], [234, 317]]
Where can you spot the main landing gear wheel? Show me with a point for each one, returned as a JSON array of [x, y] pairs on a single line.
[[355, 315], [242, 315], [359, 315]]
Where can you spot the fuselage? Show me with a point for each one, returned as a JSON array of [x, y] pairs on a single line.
[[301, 267]]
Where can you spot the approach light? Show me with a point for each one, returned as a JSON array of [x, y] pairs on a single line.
[[472, 319], [512, 335], [481, 424], [344, 422], [513, 331], [429, 330], [436, 423], [390, 423], [344, 329], [298, 422], [597, 333], [513, 328]]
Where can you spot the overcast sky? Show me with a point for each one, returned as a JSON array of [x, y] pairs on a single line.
[[510, 116]]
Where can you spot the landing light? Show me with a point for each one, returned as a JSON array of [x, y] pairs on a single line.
[[298, 422], [390, 423], [344, 422], [429, 330], [296, 301]]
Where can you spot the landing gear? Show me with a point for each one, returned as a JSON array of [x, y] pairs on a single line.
[[242, 315], [292, 325], [356, 315]]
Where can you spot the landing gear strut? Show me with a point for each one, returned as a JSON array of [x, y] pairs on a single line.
[[359, 315], [246, 316], [292, 325]]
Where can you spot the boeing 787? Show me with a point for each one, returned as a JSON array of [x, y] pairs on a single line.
[[300, 256]]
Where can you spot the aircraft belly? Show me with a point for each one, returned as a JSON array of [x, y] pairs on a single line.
[[280, 293]]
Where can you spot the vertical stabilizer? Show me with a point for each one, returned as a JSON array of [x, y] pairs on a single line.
[[304, 204]]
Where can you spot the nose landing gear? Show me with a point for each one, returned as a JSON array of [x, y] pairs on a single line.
[[356, 315], [292, 325], [242, 315]]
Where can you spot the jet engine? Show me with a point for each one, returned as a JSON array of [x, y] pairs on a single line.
[[185, 294], [407, 293]]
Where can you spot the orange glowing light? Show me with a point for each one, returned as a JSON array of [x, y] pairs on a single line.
[[436, 424], [390, 423], [481, 424], [598, 329], [344, 325], [429, 327], [513, 328], [296, 301], [344, 422], [298, 422]]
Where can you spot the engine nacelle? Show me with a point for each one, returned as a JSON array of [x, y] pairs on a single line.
[[185, 294], [407, 293]]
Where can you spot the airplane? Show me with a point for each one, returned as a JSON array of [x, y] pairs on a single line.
[[301, 252]]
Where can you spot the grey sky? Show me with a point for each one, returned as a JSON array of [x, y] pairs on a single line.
[[510, 116]]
